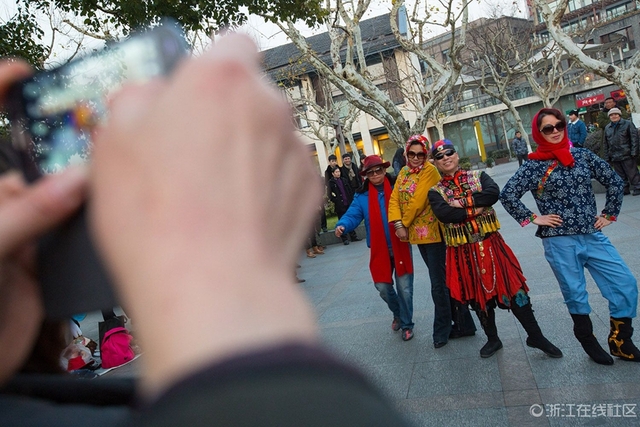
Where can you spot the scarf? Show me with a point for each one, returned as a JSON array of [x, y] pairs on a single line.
[[380, 261], [410, 142], [547, 150]]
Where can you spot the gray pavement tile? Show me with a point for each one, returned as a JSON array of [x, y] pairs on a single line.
[[392, 379], [522, 397], [521, 416], [455, 376], [575, 368], [452, 402], [496, 417]]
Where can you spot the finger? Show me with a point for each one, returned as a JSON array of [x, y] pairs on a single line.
[[11, 185], [11, 71], [234, 47], [133, 100], [40, 208]]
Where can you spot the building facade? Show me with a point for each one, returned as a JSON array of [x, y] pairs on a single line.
[[610, 27]]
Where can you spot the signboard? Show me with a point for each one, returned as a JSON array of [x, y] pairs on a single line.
[[596, 99], [618, 94], [589, 98]]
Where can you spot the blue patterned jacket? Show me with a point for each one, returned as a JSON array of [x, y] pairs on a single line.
[[564, 191]]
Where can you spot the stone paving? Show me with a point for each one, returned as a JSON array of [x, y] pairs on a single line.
[[453, 386]]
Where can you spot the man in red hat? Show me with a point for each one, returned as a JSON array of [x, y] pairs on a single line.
[[388, 253]]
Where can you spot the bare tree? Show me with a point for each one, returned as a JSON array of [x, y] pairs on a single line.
[[347, 71], [626, 76]]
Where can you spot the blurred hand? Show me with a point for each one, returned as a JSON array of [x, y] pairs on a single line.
[[339, 231], [25, 214], [551, 220], [202, 198], [601, 222]]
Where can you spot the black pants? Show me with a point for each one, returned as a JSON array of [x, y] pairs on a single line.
[[628, 171], [522, 158]]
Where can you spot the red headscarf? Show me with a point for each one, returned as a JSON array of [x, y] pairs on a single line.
[[423, 141], [547, 150]]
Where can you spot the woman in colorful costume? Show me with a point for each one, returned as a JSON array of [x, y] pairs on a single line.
[[388, 253], [414, 221], [559, 177], [481, 269]]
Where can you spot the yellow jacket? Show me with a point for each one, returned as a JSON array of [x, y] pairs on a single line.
[[410, 204]]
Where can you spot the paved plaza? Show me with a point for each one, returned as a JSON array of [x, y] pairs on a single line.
[[452, 385]]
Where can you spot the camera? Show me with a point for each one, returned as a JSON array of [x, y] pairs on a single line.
[[52, 115]]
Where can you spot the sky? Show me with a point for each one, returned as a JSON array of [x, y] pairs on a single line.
[[268, 35]]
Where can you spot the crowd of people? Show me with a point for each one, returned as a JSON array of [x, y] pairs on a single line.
[[185, 252]]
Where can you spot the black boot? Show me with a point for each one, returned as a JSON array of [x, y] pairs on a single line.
[[583, 330], [463, 325], [620, 343], [530, 324], [488, 322]]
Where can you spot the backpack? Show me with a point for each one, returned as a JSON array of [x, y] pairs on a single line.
[[116, 348]]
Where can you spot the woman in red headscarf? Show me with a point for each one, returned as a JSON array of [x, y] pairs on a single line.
[[559, 177], [413, 219]]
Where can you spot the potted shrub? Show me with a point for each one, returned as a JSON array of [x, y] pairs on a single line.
[[500, 156]]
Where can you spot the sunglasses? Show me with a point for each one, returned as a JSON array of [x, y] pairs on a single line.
[[447, 153], [548, 129], [411, 155], [376, 171]]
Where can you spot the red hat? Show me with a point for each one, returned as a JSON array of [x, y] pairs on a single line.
[[371, 162]]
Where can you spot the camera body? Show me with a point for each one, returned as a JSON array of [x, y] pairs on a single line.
[[52, 115]]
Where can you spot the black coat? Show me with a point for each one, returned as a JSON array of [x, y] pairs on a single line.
[[620, 141], [356, 182], [336, 197]]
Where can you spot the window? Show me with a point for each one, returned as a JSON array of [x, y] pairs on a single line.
[[614, 12], [300, 116], [622, 39]]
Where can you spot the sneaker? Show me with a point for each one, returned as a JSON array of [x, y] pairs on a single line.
[[395, 325], [407, 334], [346, 242], [357, 239], [439, 344]]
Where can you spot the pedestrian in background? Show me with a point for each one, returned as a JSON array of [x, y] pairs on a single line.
[[341, 194], [577, 130], [351, 171], [519, 147], [621, 150]]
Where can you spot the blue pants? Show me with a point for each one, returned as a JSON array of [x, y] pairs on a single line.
[[568, 257], [400, 303]]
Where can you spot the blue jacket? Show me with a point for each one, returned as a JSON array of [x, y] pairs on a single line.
[[577, 133], [359, 210]]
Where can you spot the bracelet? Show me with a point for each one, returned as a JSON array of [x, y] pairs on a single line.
[[529, 220], [398, 225], [608, 217]]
